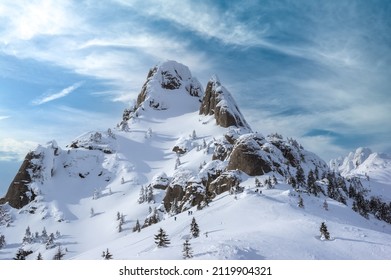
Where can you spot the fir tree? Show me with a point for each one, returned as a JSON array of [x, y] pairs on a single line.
[[107, 255], [59, 255], [27, 236], [120, 226], [92, 212], [161, 239], [311, 183], [141, 197], [274, 180], [2, 241], [257, 183], [194, 229], [300, 178], [300, 203], [324, 233], [149, 196], [44, 236], [50, 242], [187, 251], [137, 227], [39, 257], [22, 254]]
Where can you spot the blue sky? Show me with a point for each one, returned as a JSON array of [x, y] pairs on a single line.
[[317, 71]]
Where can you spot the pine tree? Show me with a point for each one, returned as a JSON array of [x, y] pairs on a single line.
[[39, 257], [161, 239], [92, 212], [194, 229], [324, 233], [50, 242], [27, 236], [300, 202], [107, 255], [2, 241], [149, 197], [120, 226], [137, 227], [44, 236], [141, 197], [187, 251], [274, 180], [22, 254], [257, 183], [300, 178], [59, 255], [311, 183], [194, 135]]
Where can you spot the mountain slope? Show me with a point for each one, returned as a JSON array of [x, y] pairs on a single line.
[[181, 153]]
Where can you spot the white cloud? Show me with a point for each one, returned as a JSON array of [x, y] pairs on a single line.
[[4, 117], [54, 96], [13, 149], [32, 18], [203, 19]]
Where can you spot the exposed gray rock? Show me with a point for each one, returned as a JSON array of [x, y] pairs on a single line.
[[19, 193], [247, 156], [219, 102]]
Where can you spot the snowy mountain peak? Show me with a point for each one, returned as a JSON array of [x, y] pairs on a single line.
[[166, 82], [352, 162]]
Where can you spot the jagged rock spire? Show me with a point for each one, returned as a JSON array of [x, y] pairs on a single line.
[[219, 102]]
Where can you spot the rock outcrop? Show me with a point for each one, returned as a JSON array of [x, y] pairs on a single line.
[[19, 193], [219, 102]]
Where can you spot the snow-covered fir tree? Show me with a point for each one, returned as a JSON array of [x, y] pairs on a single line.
[[324, 233], [2, 241], [149, 196], [92, 212], [161, 239], [50, 242], [300, 177], [39, 257], [187, 250], [106, 255], [194, 228], [137, 227], [22, 254], [59, 254], [300, 203], [142, 195]]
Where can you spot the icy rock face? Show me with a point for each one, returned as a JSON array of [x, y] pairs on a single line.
[[218, 101], [168, 76], [37, 166], [18, 192]]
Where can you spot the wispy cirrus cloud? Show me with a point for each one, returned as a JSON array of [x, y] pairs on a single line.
[[50, 97], [4, 117]]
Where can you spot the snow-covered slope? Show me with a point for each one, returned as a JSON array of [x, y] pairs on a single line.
[[167, 162]]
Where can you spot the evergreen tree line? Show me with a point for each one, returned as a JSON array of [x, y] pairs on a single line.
[[337, 189]]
